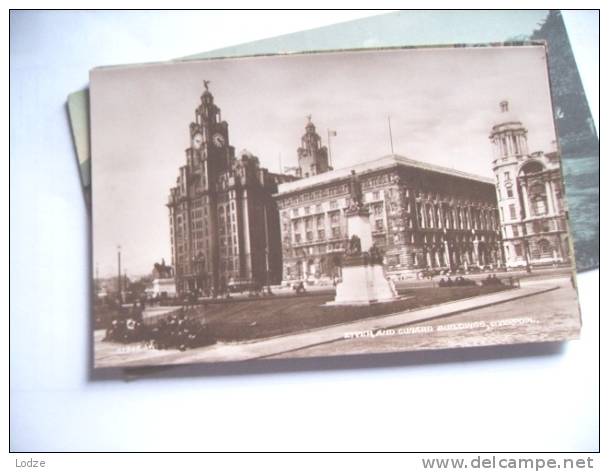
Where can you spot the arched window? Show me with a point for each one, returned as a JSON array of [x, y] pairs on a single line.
[[532, 167], [430, 216]]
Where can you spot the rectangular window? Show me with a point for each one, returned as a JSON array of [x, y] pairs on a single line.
[[539, 206], [297, 237], [294, 211], [321, 234], [333, 204], [510, 192], [506, 176], [309, 235], [307, 210], [375, 195], [336, 232], [378, 224], [515, 231], [518, 249], [512, 212]]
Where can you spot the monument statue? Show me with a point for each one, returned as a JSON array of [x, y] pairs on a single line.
[[355, 246], [376, 255], [206, 84], [363, 276], [355, 190]]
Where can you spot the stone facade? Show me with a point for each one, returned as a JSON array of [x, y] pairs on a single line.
[[422, 217], [223, 220], [530, 197]]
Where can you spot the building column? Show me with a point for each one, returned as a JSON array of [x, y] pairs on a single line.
[[550, 196], [477, 251], [246, 235], [437, 256], [525, 200], [428, 256], [447, 255]]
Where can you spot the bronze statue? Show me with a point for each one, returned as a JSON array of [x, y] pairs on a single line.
[[376, 255], [355, 190], [355, 246], [206, 84]]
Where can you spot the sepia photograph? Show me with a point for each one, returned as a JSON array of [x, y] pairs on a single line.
[[327, 204]]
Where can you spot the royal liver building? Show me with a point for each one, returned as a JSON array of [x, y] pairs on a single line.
[[530, 197], [223, 221]]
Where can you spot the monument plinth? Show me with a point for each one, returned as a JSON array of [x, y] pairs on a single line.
[[363, 276]]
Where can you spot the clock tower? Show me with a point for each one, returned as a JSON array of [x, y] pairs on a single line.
[[209, 157], [224, 223], [209, 143], [312, 156]]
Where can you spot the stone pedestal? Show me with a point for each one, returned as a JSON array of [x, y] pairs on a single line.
[[363, 281], [358, 224], [363, 285]]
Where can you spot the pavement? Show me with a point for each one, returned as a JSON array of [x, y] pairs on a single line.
[[154, 313], [115, 355]]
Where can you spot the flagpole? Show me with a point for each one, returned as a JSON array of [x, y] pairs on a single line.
[[266, 250], [329, 150], [390, 135]]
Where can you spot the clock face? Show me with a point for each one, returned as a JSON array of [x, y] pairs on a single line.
[[218, 140], [197, 140]]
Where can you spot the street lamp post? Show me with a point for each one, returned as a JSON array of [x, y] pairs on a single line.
[[118, 280], [526, 255]]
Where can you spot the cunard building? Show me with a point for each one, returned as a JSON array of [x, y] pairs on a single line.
[[423, 216], [223, 220], [530, 195]]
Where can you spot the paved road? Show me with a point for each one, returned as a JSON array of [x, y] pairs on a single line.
[[548, 316], [363, 335]]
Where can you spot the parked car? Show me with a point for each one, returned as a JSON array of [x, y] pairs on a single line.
[[428, 273], [238, 286]]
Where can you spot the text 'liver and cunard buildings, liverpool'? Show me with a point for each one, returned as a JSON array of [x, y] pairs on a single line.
[[224, 222]]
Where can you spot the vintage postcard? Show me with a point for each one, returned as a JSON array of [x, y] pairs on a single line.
[[338, 203]]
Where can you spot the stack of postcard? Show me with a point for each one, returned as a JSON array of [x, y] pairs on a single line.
[[335, 203]]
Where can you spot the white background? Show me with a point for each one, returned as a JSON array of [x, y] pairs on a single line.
[[535, 398]]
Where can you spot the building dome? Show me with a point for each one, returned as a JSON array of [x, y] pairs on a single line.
[[505, 119], [508, 135]]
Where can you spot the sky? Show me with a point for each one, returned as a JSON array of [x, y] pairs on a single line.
[[442, 103]]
